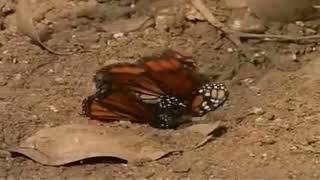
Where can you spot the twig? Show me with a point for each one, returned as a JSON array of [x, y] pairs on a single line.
[[316, 6], [307, 149], [204, 141], [209, 134], [269, 37], [198, 4]]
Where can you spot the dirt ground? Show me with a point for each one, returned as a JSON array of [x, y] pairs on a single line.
[[272, 115]]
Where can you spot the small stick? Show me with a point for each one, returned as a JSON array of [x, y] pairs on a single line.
[[307, 149], [204, 141], [278, 37]]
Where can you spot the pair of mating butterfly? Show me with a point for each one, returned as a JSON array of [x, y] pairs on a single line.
[[159, 90]]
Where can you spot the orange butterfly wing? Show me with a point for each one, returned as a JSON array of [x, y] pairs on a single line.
[[117, 106], [126, 75], [208, 98], [176, 76]]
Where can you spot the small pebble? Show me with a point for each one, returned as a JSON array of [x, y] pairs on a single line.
[[18, 76], [76, 140], [48, 125], [293, 148], [257, 55], [181, 167], [14, 61], [294, 57], [260, 119], [95, 46], [269, 116], [4, 154], [3, 81], [59, 80], [35, 117], [268, 141], [278, 120], [257, 111], [118, 35], [255, 89], [125, 124], [248, 81], [230, 50], [309, 31], [53, 108], [300, 23], [264, 155]]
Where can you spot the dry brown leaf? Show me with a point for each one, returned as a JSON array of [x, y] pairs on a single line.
[[25, 25], [70, 143], [205, 129]]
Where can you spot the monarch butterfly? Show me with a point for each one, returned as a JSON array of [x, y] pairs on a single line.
[[169, 81], [123, 105], [167, 73]]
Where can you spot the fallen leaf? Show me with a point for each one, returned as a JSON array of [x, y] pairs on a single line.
[[70, 143], [205, 129], [25, 24]]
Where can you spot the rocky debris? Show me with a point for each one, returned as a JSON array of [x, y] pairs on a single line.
[[181, 167], [256, 111]]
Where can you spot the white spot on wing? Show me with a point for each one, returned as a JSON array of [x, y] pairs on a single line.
[[204, 103], [207, 108]]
